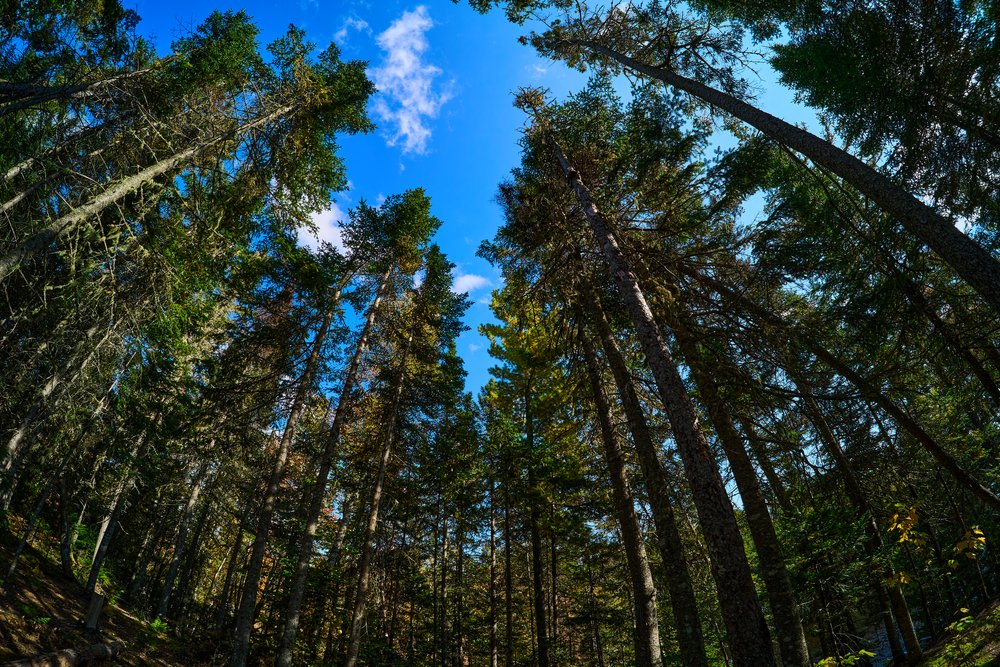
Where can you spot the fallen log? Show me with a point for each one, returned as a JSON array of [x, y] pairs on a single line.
[[71, 656]]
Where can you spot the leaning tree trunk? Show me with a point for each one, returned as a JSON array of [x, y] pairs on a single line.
[[970, 261], [367, 544], [784, 606], [248, 603], [647, 628], [865, 387], [893, 594], [746, 625], [683, 602], [60, 227], [345, 403], [181, 542]]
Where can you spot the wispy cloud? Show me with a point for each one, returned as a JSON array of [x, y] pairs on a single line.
[[328, 229], [475, 347], [349, 24], [469, 282], [409, 94]]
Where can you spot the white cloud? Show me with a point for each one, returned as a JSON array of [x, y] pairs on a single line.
[[408, 96], [349, 24], [475, 347], [327, 229], [469, 282]]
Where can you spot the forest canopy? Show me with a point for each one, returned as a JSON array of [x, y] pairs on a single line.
[[743, 405]]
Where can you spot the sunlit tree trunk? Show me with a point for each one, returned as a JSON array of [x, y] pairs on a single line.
[[248, 603], [975, 265]]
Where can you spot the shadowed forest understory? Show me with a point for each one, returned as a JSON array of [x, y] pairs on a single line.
[[744, 407]]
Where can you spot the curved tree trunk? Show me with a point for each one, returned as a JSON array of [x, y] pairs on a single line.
[[683, 602], [784, 606], [975, 265]]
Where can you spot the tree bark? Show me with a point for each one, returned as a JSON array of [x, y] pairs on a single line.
[[60, 227], [181, 542], [683, 603], [784, 606], [970, 261], [248, 603], [537, 571], [647, 629], [364, 562], [746, 626], [331, 444]]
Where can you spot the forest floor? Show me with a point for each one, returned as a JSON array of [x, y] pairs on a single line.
[[975, 642], [42, 611]]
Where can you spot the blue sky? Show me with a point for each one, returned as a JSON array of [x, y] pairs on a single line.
[[446, 123]]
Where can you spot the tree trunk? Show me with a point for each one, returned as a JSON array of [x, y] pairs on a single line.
[[181, 542], [970, 261], [537, 571], [868, 390], [678, 577], [893, 594], [494, 653], [331, 444], [248, 603], [364, 562], [60, 227], [508, 584], [784, 606], [746, 626], [647, 629]]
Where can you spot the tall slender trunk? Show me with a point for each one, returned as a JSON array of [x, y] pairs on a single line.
[[534, 516], [893, 594], [683, 602], [764, 462], [970, 261], [867, 389], [364, 561], [594, 625], [248, 603], [647, 628], [60, 227], [746, 626], [315, 503], [784, 606], [508, 584], [494, 653], [110, 522], [181, 542]]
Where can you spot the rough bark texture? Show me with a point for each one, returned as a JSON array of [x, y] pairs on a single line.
[[975, 265], [683, 602], [784, 606], [746, 627]]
